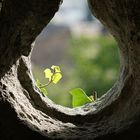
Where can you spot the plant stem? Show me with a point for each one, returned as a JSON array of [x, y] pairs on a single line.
[[49, 81], [95, 95], [45, 84]]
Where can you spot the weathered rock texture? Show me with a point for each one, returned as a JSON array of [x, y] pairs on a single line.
[[26, 114]]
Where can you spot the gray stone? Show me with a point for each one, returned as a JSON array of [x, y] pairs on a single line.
[[26, 114]]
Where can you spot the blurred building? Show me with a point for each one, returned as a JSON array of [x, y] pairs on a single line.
[[73, 18], [50, 45]]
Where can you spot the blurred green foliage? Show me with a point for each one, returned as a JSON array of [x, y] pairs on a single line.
[[90, 64], [96, 62]]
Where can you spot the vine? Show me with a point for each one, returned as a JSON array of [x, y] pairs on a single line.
[[54, 75]]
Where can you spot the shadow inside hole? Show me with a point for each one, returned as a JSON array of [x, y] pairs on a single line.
[[87, 54]]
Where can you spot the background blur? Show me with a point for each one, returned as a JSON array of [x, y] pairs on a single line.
[[82, 47]]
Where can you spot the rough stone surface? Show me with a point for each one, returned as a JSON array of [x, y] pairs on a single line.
[[26, 114]]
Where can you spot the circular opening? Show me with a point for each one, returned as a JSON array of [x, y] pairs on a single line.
[[82, 47]]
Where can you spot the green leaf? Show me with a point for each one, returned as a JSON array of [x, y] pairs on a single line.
[[38, 83], [44, 91], [56, 78], [48, 74], [56, 68], [79, 97]]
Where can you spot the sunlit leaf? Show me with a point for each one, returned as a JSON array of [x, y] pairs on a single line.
[[56, 78], [44, 91], [56, 68], [48, 74], [38, 83], [79, 97]]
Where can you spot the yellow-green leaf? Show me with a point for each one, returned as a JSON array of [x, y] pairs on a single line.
[[79, 97], [56, 68], [56, 78], [48, 74], [38, 83], [44, 91]]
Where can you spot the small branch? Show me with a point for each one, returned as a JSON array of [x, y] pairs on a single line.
[[46, 84]]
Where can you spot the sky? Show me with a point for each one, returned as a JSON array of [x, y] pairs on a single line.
[[71, 11]]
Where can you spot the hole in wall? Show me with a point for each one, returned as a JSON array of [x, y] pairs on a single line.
[[82, 47]]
